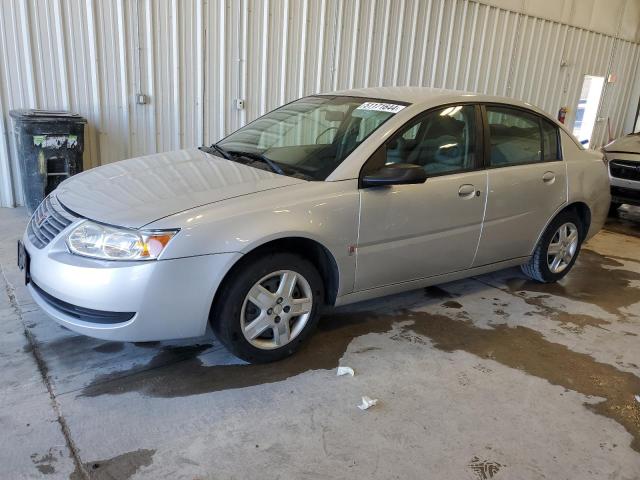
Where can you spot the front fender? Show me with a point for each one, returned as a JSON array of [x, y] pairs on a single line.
[[325, 212]]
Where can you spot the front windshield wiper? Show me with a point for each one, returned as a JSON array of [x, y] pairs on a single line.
[[216, 148], [221, 151], [261, 158]]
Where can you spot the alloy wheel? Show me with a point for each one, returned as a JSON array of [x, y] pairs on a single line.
[[563, 247], [276, 309]]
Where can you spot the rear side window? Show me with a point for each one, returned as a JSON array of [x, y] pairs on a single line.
[[551, 146], [515, 137]]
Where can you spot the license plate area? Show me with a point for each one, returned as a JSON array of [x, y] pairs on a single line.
[[24, 261]]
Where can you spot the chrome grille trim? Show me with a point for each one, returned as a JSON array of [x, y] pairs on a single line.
[[49, 219], [625, 169]]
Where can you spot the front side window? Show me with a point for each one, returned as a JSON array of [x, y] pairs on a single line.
[[514, 136], [441, 141], [312, 136]]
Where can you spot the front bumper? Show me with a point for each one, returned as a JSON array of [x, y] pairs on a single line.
[[624, 190], [162, 299]]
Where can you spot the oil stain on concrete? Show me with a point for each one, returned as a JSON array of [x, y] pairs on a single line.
[[121, 467], [519, 348]]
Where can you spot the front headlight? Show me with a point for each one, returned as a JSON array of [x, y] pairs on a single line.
[[112, 243]]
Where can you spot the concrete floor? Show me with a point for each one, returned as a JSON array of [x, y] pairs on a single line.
[[491, 377]]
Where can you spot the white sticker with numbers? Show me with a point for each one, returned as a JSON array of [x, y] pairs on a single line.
[[381, 107]]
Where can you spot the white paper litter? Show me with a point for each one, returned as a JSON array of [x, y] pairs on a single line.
[[637, 397], [367, 402], [345, 371]]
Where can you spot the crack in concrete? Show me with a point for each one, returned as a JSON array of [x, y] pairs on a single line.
[[42, 368]]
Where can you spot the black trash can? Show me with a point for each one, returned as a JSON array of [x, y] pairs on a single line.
[[50, 146]]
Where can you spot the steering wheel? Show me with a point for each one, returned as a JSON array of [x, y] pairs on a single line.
[[449, 149], [328, 129]]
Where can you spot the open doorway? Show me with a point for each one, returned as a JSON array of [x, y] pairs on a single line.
[[587, 109]]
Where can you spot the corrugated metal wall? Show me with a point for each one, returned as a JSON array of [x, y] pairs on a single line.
[[193, 58]]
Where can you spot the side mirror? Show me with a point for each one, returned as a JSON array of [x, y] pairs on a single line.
[[396, 174]]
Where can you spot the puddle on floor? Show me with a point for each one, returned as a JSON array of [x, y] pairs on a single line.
[[190, 376], [520, 348], [121, 467], [595, 279], [525, 349], [574, 322]]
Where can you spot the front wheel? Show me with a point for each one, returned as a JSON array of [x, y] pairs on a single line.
[[268, 306], [557, 249]]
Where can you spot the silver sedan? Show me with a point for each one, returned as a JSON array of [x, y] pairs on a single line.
[[328, 200]]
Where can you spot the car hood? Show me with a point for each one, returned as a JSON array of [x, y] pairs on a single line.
[[135, 192], [628, 144]]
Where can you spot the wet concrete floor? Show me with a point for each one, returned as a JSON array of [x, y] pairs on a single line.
[[489, 377]]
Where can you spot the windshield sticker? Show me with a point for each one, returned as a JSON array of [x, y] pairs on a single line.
[[381, 107]]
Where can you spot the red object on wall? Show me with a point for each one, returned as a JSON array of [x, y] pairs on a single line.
[[562, 114]]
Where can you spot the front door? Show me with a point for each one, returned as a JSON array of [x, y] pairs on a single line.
[[408, 232]]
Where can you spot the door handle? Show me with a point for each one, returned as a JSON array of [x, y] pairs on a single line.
[[549, 177], [467, 191]]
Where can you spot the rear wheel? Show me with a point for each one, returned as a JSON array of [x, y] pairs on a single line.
[[268, 307], [557, 249]]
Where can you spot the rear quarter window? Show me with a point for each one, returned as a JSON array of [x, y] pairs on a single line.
[[551, 141]]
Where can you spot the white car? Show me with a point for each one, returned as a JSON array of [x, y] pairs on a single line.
[[328, 200], [623, 156]]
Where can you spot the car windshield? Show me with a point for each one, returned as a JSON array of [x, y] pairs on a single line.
[[311, 136]]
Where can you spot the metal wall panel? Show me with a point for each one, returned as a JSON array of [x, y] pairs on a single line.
[[194, 58]]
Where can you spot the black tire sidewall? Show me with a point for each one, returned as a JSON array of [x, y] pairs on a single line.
[[545, 241], [225, 319]]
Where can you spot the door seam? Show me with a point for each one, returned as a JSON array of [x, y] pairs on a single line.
[[356, 254], [484, 214]]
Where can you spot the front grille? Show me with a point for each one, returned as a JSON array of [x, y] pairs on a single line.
[[625, 169], [49, 219]]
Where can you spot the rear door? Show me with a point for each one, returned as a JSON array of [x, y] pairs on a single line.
[[527, 182]]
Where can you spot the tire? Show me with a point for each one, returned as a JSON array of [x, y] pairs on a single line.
[[264, 276], [613, 209], [538, 268]]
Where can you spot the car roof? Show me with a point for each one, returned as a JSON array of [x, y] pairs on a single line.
[[428, 96]]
